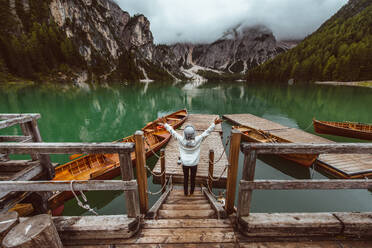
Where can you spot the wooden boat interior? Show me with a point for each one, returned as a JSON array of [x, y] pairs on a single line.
[[260, 136], [350, 125], [92, 165]]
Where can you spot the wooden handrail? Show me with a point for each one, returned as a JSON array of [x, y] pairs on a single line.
[[15, 121], [304, 148], [250, 150], [12, 116], [91, 185], [305, 184], [65, 148]]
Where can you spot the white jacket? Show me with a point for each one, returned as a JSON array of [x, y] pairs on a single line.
[[190, 154]]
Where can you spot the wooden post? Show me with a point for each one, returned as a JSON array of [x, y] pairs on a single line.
[[7, 221], [211, 168], [245, 196], [37, 231], [141, 171], [131, 197], [31, 129], [232, 170], [162, 166]]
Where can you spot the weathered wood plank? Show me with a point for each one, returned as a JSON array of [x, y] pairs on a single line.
[[15, 165], [184, 235], [186, 207], [356, 224], [186, 201], [14, 121], [91, 185], [245, 196], [290, 224], [232, 171], [176, 192], [153, 212], [37, 231], [308, 244], [176, 214], [131, 197], [303, 148], [14, 138], [141, 171], [4, 116], [29, 173], [65, 148], [218, 207], [74, 228], [306, 184], [187, 223]]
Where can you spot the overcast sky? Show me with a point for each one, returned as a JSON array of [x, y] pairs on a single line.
[[205, 20]]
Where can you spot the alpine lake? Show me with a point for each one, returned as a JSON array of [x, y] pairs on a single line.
[[97, 113]]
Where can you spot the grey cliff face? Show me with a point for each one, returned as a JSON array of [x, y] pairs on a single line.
[[101, 28], [239, 50]]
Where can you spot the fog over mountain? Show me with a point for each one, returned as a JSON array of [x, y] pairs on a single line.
[[205, 20]]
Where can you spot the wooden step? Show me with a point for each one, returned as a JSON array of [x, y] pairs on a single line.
[[186, 201], [187, 223], [194, 198], [186, 207], [188, 237], [180, 214], [181, 192]]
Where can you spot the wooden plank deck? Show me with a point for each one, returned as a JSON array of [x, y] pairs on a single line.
[[192, 225], [213, 141], [335, 165]]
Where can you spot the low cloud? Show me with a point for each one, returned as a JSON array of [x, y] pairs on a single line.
[[205, 20]]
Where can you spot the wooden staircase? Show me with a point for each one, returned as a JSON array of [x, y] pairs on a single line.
[[179, 206], [185, 221]]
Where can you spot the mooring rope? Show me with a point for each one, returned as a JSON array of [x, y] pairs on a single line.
[[218, 178], [223, 152], [311, 123], [210, 191], [162, 188], [312, 170], [153, 173], [154, 153], [82, 205]]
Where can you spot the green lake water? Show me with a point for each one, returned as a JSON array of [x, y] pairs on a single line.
[[104, 114]]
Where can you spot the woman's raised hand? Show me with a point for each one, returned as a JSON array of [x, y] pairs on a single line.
[[217, 121]]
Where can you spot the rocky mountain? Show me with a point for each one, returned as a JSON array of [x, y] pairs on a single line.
[[340, 50], [79, 40]]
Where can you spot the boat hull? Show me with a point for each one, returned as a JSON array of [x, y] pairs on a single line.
[[331, 128], [112, 170], [303, 159]]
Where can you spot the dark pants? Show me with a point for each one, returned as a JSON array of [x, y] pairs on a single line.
[[186, 172]]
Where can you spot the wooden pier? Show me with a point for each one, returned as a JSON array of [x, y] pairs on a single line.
[[335, 165], [212, 142]]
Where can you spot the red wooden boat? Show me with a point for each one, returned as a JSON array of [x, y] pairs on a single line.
[[346, 129], [107, 166], [254, 135]]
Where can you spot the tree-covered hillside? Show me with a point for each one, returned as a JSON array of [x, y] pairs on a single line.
[[341, 50], [31, 44]]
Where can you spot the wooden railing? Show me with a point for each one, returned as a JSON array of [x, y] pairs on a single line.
[[251, 150], [128, 184]]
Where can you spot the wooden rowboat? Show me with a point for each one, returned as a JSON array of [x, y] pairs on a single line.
[[107, 166], [254, 135], [346, 129]]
